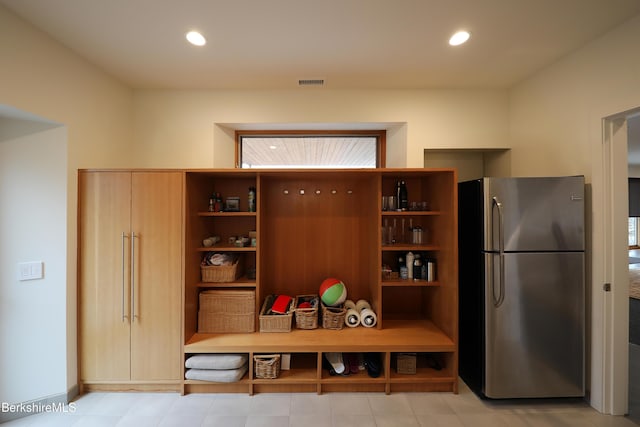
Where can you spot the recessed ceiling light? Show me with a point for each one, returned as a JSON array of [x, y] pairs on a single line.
[[459, 38], [195, 38], [273, 147]]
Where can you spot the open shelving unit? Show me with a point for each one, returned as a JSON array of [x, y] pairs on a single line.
[[314, 224]]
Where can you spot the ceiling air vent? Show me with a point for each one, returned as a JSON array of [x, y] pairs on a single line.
[[311, 82]]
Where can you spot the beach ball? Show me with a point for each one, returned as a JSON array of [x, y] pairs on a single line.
[[333, 292]]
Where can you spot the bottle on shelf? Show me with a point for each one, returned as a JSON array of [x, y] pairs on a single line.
[[217, 203], [402, 196], [402, 268], [211, 203], [417, 267], [252, 199], [416, 235], [430, 270], [409, 262]]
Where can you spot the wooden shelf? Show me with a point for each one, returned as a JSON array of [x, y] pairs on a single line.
[[410, 213], [241, 282], [396, 336], [332, 230], [243, 380], [291, 376], [406, 247], [409, 283], [360, 377], [227, 214], [226, 248]]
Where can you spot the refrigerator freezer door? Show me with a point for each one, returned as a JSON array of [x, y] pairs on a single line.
[[534, 214], [535, 337]]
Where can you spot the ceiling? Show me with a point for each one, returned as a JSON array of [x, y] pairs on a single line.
[[255, 44], [354, 44]]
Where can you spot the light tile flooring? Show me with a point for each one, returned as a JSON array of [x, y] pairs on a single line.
[[332, 409]]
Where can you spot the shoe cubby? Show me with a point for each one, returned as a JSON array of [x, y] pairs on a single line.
[[314, 224]]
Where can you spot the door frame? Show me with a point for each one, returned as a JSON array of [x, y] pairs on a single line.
[[610, 312]]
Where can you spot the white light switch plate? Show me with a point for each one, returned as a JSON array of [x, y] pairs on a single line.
[[30, 270]]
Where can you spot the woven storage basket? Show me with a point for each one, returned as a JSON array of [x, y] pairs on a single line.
[[227, 310], [266, 366], [333, 317], [306, 318], [406, 363], [275, 322], [221, 273]]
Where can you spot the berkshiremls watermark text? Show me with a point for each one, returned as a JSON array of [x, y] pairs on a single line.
[[34, 407]]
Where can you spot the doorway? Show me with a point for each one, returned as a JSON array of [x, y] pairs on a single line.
[[633, 162], [621, 361]]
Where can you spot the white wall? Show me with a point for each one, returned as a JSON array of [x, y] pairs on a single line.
[[33, 314], [556, 128], [194, 129]]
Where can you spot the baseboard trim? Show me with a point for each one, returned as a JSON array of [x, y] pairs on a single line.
[[55, 403]]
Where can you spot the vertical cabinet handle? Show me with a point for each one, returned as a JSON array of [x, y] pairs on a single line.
[[124, 236], [133, 276], [497, 302]]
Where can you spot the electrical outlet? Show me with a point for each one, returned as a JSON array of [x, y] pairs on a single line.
[[30, 270]]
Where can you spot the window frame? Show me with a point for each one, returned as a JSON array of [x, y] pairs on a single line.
[[379, 134]]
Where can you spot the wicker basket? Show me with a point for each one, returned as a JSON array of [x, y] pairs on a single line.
[[307, 318], [221, 273], [406, 363], [266, 366], [333, 317], [227, 310], [275, 322]]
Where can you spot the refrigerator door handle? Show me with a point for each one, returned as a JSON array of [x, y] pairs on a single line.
[[497, 302]]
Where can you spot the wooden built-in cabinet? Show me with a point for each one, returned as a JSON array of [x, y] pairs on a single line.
[[130, 247], [314, 224]]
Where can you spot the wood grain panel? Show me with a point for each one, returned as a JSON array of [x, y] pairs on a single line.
[[103, 215], [157, 288]]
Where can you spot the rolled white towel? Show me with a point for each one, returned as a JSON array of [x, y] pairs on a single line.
[[361, 305], [352, 318], [368, 318]]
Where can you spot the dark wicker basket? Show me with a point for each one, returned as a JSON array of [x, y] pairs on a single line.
[[266, 366], [306, 318], [333, 317]]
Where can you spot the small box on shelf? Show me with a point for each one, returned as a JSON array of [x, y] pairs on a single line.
[[406, 363]]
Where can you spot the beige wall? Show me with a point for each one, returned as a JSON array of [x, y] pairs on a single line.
[[42, 77], [556, 128], [194, 128], [555, 117]]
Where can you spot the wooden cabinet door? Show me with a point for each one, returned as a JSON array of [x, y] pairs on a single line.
[[103, 275], [156, 223]]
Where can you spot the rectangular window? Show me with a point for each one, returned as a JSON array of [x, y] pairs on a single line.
[[633, 231], [349, 149]]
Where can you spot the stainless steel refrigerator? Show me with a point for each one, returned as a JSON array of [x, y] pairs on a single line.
[[522, 286]]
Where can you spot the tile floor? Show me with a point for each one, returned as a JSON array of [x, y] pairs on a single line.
[[332, 409]]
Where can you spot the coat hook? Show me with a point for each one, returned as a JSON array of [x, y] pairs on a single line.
[[349, 191], [302, 191], [334, 191], [318, 192], [286, 191]]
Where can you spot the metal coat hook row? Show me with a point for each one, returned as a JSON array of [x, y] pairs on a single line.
[[317, 191]]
